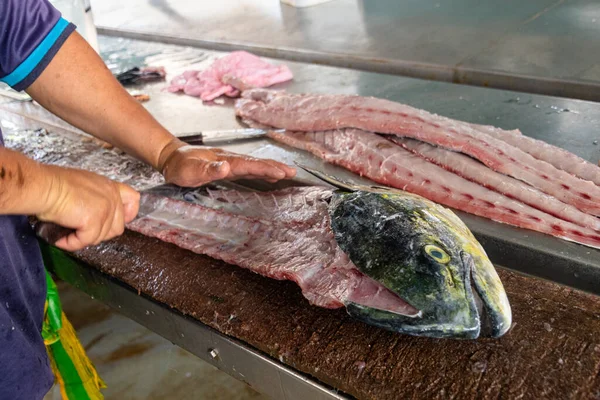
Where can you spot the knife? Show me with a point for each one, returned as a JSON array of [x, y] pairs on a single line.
[[221, 136]]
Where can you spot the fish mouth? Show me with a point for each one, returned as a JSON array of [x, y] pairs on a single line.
[[411, 325], [479, 313], [490, 294]]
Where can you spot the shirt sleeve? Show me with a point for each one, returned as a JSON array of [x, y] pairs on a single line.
[[31, 33]]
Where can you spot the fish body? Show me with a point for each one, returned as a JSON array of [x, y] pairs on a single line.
[[391, 258]]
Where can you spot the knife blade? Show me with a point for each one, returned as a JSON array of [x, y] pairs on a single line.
[[221, 136]]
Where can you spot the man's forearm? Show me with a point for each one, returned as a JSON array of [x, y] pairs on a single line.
[[79, 88], [24, 184]]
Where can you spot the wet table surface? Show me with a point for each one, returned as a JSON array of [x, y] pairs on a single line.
[[537, 46]]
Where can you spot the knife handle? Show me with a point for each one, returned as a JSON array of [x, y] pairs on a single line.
[[51, 232], [196, 139], [208, 138]]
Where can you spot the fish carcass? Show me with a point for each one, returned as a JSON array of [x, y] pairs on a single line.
[[393, 259], [504, 199]]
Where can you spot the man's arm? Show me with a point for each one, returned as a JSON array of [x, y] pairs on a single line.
[[24, 186], [77, 86], [96, 207], [31, 34]]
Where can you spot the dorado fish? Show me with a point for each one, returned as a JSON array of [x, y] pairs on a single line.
[[393, 259]]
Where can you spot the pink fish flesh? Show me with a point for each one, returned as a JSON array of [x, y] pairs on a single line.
[[383, 161], [229, 75], [476, 172], [283, 235], [560, 158], [307, 112]]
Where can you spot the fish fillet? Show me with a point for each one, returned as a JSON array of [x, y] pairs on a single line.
[[383, 161], [325, 112], [476, 172], [560, 158]]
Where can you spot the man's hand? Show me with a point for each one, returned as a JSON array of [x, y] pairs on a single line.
[[192, 166], [95, 207]]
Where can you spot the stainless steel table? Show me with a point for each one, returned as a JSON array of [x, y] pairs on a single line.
[[539, 46]]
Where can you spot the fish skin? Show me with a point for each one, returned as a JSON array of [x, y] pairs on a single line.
[[229, 75], [385, 162], [308, 112], [388, 247], [251, 230]]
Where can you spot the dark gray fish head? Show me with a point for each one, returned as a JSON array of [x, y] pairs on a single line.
[[425, 254]]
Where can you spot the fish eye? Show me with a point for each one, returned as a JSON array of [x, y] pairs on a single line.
[[437, 253]]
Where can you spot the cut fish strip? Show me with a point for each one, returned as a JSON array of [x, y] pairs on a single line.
[[476, 172], [560, 158], [383, 161], [325, 112]]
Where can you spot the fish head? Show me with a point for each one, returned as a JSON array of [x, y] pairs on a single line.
[[424, 254]]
